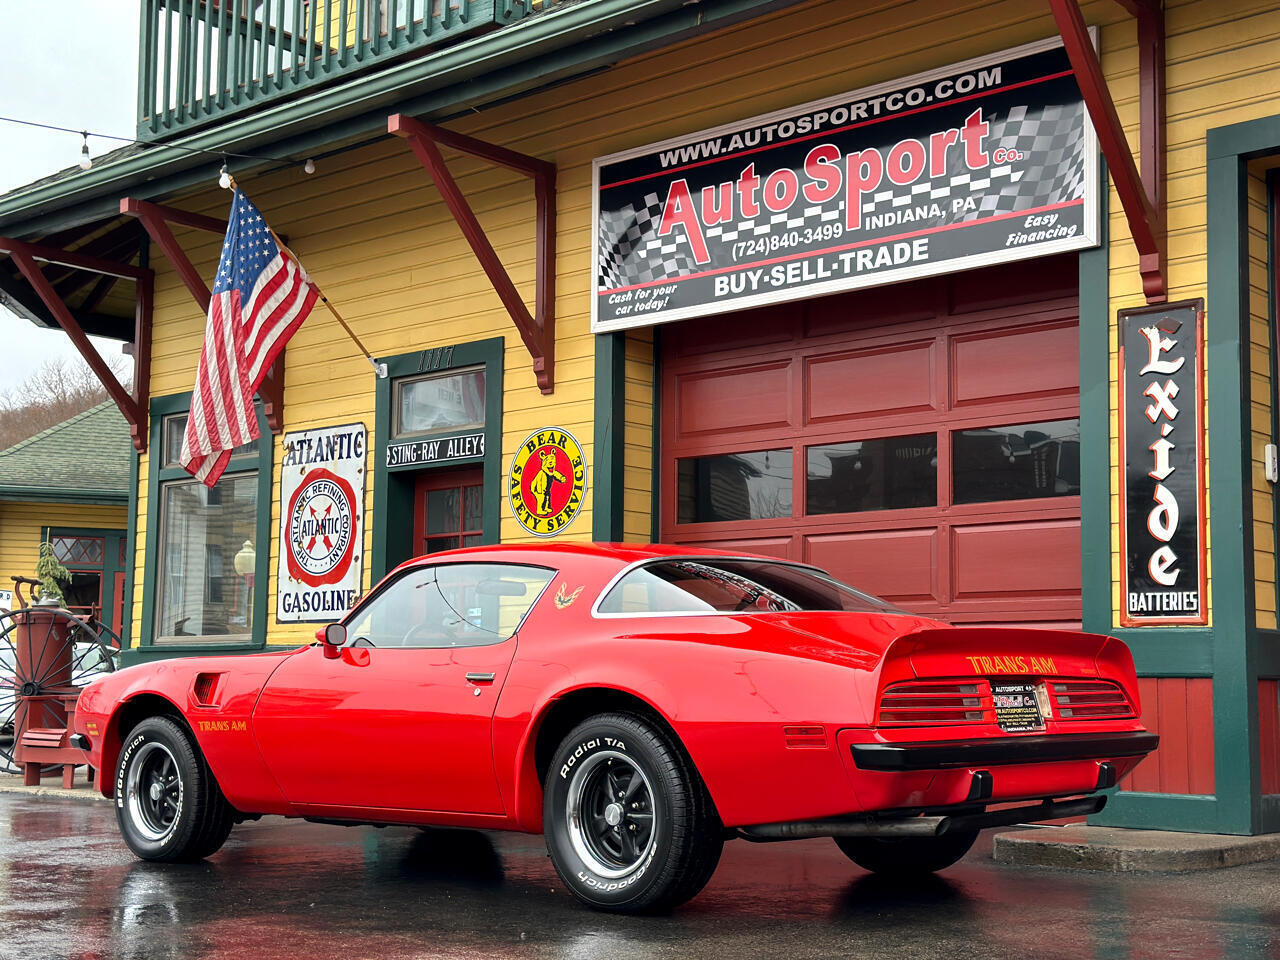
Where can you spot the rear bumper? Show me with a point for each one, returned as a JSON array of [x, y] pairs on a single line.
[[925, 825], [944, 754]]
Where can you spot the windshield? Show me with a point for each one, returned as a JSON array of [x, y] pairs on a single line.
[[712, 585]]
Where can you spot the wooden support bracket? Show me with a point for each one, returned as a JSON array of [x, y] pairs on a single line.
[[133, 406], [1142, 196], [537, 330], [156, 219]]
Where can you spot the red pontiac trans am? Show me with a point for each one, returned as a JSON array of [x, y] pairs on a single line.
[[638, 705]]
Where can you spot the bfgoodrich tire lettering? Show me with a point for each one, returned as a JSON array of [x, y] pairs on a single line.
[[168, 804], [629, 824]]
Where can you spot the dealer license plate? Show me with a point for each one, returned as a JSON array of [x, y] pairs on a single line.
[[1017, 709]]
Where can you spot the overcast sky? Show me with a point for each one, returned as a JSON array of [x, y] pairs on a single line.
[[71, 63]]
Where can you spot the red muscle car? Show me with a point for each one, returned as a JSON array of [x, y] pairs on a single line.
[[638, 705]]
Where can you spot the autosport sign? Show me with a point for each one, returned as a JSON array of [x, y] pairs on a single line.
[[979, 163], [1162, 502], [321, 529]]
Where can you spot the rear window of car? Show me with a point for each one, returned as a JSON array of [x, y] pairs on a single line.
[[705, 585]]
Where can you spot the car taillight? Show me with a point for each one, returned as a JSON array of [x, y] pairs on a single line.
[[934, 702], [1089, 700]]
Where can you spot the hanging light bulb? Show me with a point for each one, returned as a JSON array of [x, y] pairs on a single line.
[[309, 166], [85, 162], [224, 178]]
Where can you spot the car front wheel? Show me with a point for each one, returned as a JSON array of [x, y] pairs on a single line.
[[168, 804], [907, 856], [629, 825]]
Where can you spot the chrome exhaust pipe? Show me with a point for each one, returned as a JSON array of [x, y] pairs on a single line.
[[804, 830]]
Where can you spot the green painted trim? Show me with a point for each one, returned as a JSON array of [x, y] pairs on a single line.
[[1268, 654], [1095, 427], [1168, 651], [145, 648], [131, 550], [111, 538], [110, 498], [1246, 140], [578, 38], [1272, 181], [1270, 814], [655, 478], [1235, 689], [1159, 811], [607, 522], [393, 487]]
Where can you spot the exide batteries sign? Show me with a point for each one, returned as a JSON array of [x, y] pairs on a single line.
[[1162, 439], [979, 163]]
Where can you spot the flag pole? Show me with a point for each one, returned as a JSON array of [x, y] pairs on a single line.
[[378, 368]]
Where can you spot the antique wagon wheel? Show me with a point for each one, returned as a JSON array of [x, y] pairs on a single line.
[[46, 653]]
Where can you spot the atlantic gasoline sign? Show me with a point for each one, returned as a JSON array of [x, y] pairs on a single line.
[[1162, 502], [547, 481], [321, 534], [982, 162]]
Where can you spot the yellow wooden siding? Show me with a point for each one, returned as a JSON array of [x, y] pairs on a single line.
[[21, 527], [637, 479], [371, 229], [1221, 68], [1260, 392]]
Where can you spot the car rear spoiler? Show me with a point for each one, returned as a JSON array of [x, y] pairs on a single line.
[[1006, 651]]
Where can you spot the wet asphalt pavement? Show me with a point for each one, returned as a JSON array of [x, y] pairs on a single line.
[[283, 889]]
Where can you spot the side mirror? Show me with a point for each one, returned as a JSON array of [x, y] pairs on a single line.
[[332, 636]]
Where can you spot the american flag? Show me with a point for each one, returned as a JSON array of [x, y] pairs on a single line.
[[260, 298]]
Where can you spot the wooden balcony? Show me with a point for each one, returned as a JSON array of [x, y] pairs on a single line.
[[200, 61]]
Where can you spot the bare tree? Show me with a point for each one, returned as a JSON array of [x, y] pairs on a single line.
[[55, 391]]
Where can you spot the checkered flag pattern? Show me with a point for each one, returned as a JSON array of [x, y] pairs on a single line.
[[1050, 139], [1051, 142], [632, 252]]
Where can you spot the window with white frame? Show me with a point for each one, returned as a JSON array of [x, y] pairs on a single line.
[[207, 549]]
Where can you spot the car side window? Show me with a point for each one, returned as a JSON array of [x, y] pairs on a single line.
[[450, 605]]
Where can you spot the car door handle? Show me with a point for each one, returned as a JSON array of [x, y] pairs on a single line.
[[480, 678]]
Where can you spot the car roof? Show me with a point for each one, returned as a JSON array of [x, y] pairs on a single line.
[[560, 554]]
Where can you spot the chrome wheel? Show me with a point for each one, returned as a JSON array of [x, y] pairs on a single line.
[[610, 814], [153, 790]]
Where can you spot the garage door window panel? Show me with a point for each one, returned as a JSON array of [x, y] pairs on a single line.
[[887, 473], [1027, 461], [739, 486]]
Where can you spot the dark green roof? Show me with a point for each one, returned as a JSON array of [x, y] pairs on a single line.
[[81, 460]]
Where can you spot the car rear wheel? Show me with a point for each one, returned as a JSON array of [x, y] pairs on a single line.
[[907, 856], [168, 804], [629, 824]]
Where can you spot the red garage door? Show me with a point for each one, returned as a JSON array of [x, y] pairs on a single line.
[[920, 441]]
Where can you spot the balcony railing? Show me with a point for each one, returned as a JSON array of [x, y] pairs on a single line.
[[202, 60]]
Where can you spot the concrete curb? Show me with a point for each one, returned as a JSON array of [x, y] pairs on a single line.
[[1117, 850], [12, 784]]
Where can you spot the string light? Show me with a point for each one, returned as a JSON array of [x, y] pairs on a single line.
[[224, 178], [86, 163]]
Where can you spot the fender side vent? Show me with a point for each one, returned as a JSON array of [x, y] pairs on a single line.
[[205, 689], [807, 736]]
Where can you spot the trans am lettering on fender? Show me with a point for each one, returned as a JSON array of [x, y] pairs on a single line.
[[475, 695]]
